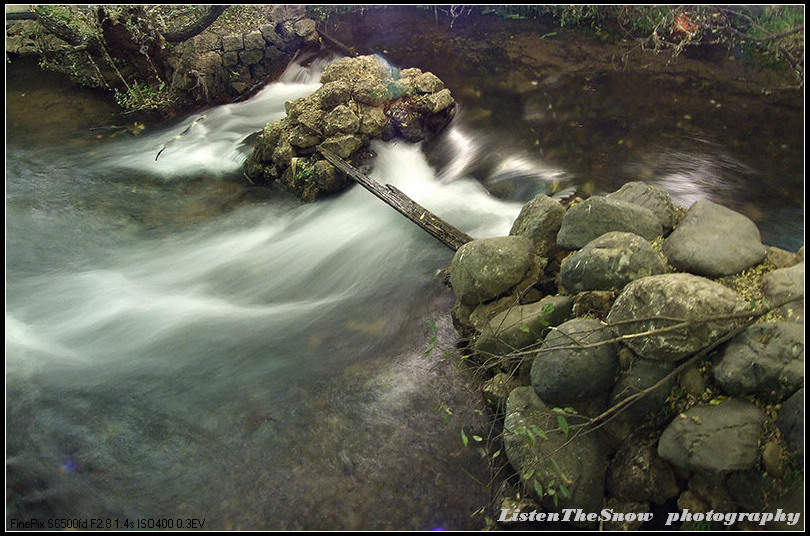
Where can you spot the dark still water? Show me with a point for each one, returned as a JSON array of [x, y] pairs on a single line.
[[179, 345], [541, 104]]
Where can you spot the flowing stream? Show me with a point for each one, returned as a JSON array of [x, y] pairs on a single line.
[[179, 345], [260, 365]]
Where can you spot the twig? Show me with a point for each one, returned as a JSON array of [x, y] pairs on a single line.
[[179, 136]]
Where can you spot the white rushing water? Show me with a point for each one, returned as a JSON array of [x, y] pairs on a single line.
[[159, 354]]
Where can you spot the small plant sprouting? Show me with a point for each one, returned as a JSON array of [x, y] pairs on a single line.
[[433, 338]]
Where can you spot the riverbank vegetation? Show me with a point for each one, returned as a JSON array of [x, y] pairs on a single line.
[[771, 35]]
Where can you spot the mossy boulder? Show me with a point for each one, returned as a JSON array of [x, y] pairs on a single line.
[[714, 438], [651, 303], [610, 262], [361, 99], [563, 471], [485, 269], [598, 215]]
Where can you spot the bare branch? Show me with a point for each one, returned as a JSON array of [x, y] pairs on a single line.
[[196, 26]]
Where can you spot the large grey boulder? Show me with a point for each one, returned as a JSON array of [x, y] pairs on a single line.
[[610, 262], [642, 375], [540, 220], [652, 302], [543, 454], [712, 240], [598, 215], [766, 360], [576, 366], [482, 270], [791, 422], [638, 473], [651, 197], [714, 438], [522, 326], [786, 286]]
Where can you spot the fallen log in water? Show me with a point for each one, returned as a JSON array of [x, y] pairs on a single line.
[[435, 226]]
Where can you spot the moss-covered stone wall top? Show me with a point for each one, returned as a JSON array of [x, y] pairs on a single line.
[[361, 99]]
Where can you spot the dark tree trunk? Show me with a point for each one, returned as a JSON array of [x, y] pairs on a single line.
[[435, 226], [196, 27]]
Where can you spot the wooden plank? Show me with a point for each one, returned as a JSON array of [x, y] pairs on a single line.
[[393, 197]]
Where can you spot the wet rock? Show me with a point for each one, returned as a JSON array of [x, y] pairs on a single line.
[[370, 91], [341, 119], [610, 262], [233, 42], [206, 42], [287, 12], [691, 501], [681, 296], [752, 489], [485, 269], [786, 286], [782, 258], [638, 473], [372, 120], [565, 374], [643, 374], [595, 303], [522, 326], [714, 438], [342, 145], [482, 313], [692, 381], [650, 197], [598, 215], [250, 57], [360, 99], [712, 240], [436, 102], [254, 41], [791, 422], [496, 390], [355, 69], [540, 220], [302, 137], [766, 360], [712, 490], [306, 29], [578, 463], [333, 94], [773, 458], [626, 514], [427, 83]]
